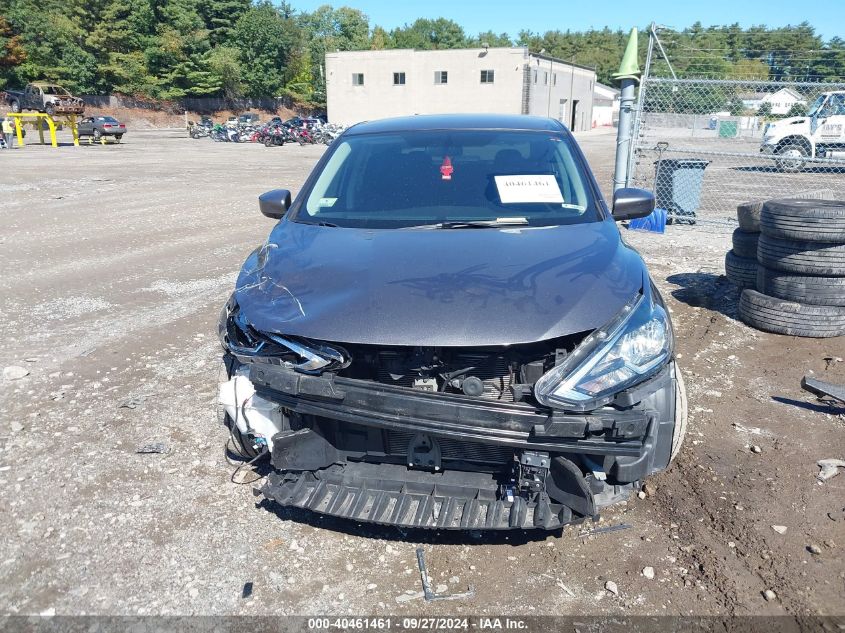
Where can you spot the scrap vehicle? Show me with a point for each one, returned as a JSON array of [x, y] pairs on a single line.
[[44, 97], [248, 118], [99, 126], [818, 134], [445, 330]]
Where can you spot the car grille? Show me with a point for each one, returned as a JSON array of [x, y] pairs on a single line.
[[398, 441]]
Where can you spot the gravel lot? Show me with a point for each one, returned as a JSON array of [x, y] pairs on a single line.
[[116, 263]]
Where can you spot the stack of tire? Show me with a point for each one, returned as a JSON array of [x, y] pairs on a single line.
[[741, 260], [799, 273]]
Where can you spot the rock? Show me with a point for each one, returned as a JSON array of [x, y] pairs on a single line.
[[454, 580], [611, 587], [193, 592], [770, 595], [650, 489], [648, 572], [756, 449], [829, 468], [16, 426], [814, 549], [441, 588], [371, 586], [405, 597], [780, 529], [641, 495], [14, 372]]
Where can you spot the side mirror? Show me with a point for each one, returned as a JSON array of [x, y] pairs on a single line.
[[274, 204], [630, 203]]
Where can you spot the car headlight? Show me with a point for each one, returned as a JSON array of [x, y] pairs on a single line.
[[632, 347]]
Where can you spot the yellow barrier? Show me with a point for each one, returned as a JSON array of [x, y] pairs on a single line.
[[37, 119]]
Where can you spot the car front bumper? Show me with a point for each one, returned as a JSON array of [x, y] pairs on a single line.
[[392, 455]]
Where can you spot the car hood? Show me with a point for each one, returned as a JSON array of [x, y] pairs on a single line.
[[456, 287]]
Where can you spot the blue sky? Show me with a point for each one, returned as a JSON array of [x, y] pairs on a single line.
[[828, 16]]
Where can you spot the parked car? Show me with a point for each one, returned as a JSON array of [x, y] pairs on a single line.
[[44, 97], [818, 134], [100, 126], [445, 330], [248, 118], [232, 122]]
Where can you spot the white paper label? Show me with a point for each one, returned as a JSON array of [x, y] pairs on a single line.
[[526, 189]]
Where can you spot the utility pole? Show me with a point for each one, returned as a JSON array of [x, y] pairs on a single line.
[[628, 75]]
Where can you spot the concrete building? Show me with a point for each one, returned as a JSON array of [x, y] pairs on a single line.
[[367, 85], [605, 105]]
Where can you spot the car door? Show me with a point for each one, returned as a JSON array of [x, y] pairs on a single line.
[[86, 126], [31, 97], [831, 128]]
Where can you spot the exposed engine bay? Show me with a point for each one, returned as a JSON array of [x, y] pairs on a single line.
[[349, 425]]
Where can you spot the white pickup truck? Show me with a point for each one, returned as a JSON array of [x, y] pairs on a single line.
[[818, 134]]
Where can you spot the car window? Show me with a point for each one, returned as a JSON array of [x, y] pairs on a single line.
[[836, 105], [108, 119], [403, 179]]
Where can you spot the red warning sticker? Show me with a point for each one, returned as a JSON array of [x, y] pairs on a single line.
[[446, 168]]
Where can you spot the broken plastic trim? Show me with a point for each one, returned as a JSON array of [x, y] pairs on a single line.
[[241, 339], [317, 357]]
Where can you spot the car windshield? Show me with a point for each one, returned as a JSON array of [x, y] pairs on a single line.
[[108, 119], [438, 177], [54, 90], [814, 108]]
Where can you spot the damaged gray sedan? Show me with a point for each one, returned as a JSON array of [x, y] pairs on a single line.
[[445, 330]]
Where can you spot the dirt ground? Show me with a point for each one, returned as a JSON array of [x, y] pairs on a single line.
[[116, 261]]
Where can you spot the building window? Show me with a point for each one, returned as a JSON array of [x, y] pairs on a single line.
[[487, 76], [441, 77], [357, 79], [398, 79], [545, 79], [535, 76], [554, 79]]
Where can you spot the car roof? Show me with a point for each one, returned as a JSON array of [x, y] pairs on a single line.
[[459, 122]]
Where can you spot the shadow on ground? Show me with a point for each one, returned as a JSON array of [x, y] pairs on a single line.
[[817, 407], [706, 290]]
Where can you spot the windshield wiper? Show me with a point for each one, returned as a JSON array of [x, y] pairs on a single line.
[[480, 224]]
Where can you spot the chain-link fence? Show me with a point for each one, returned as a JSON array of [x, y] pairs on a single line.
[[705, 145]]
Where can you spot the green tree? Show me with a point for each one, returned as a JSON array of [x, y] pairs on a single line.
[[765, 109], [118, 40], [220, 17], [267, 42], [490, 39], [51, 45], [330, 29], [174, 55], [380, 39], [735, 106], [12, 53], [425, 34], [224, 63], [797, 109]]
